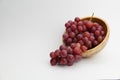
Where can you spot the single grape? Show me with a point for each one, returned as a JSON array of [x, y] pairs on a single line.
[[93, 29], [81, 42], [62, 47], [73, 45], [57, 53], [65, 36], [63, 61], [97, 32], [69, 50], [100, 28], [92, 38], [70, 63], [53, 61], [77, 19], [73, 27], [84, 48], [102, 33], [84, 28], [79, 36], [78, 57], [95, 24], [67, 25], [78, 45], [63, 53], [89, 44], [80, 28], [70, 58], [71, 34], [77, 51], [75, 40], [89, 24], [80, 23], [85, 39], [86, 34], [85, 21], [76, 31], [52, 55], [92, 34], [95, 42], [69, 41], [100, 38], [75, 23], [68, 30], [70, 22]]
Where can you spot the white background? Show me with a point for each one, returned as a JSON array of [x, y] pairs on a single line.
[[31, 29]]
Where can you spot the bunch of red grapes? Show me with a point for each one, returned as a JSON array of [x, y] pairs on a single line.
[[80, 36]]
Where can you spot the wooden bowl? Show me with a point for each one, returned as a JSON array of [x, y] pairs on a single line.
[[100, 46]]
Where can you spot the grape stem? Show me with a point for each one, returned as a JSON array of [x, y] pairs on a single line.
[[91, 17]]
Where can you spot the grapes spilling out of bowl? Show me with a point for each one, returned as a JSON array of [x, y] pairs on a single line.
[[79, 36]]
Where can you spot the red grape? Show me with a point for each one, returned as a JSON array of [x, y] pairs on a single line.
[[70, 58], [95, 43], [79, 36], [63, 53], [70, 21], [84, 28], [67, 25], [68, 30], [85, 39], [100, 38], [93, 29], [75, 23], [91, 38], [89, 44], [71, 34], [73, 45], [62, 47], [80, 28], [95, 24], [69, 40], [80, 23], [97, 32], [77, 19], [70, 63], [69, 50], [73, 27], [89, 24], [84, 48], [81, 42], [78, 57], [57, 52], [65, 36], [85, 21], [52, 55], [77, 51], [76, 31], [75, 40], [78, 45], [86, 34], [63, 61], [102, 33], [53, 61]]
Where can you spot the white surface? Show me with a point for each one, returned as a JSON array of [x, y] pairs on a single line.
[[30, 29]]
